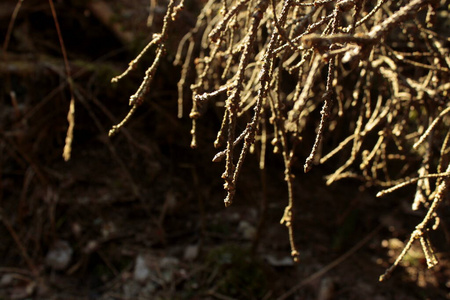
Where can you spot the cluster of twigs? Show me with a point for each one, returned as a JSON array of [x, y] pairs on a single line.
[[382, 68]]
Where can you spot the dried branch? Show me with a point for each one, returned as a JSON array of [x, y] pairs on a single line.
[[280, 64]]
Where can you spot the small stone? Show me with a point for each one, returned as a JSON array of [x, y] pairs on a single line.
[[59, 255], [191, 252], [141, 270]]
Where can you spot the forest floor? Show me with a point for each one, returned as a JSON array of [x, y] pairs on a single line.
[[141, 215]]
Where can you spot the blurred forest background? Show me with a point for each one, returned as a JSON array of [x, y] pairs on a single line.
[[140, 215]]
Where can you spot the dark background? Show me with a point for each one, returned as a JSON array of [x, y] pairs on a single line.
[[140, 215]]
